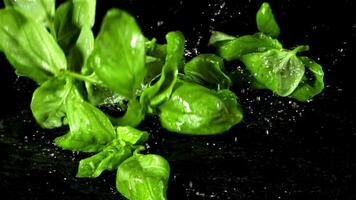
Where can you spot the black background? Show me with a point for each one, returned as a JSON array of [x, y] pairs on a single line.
[[282, 150]]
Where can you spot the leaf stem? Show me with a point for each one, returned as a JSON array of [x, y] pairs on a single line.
[[83, 78]]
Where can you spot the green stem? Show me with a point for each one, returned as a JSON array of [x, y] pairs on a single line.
[[83, 78]]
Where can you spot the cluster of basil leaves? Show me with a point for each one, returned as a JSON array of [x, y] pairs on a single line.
[[76, 73]]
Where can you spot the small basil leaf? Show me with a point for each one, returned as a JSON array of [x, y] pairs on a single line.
[[48, 102], [28, 46], [309, 88], [90, 129], [162, 89], [266, 22], [155, 59], [40, 10], [84, 12], [134, 114], [66, 31], [194, 109], [119, 54], [207, 70], [235, 49], [131, 135], [143, 177], [108, 159], [80, 52], [278, 70], [219, 38]]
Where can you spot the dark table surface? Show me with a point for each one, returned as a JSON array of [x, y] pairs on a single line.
[[282, 150]]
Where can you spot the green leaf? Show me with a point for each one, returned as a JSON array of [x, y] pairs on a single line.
[[48, 102], [28, 46], [90, 129], [309, 88], [259, 42], [162, 89], [84, 12], [119, 54], [70, 18], [108, 159], [42, 11], [266, 22], [155, 58], [207, 70], [143, 177], [218, 38], [196, 110], [278, 70], [134, 114], [131, 135], [65, 30], [80, 52]]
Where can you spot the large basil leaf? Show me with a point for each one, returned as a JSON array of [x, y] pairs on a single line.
[[207, 70], [28, 46], [90, 129], [194, 109], [108, 159], [131, 135], [48, 102], [266, 22], [143, 177], [119, 54], [278, 70], [309, 88], [162, 89], [40, 10], [259, 42]]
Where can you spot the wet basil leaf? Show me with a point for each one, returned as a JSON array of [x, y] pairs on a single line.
[[131, 135], [207, 70], [162, 89], [28, 46], [134, 114], [278, 70], [309, 88], [119, 54], [108, 159], [42, 11], [48, 102], [143, 177], [266, 22], [196, 110], [218, 38], [90, 129], [259, 42]]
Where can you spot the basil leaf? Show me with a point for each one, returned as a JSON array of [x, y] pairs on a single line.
[[259, 42], [143, 177], [80, 52], [155, 58], [48, 102], [70, 18], [309, 88], [84, 12], [207, 70], [278, 70], [90, 128], [119, 54], [108, 159], [162, 89], [40, 10], [219, 38], [134, 114], [131, 135], [194, 109], [266, 22], [28, 46]]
